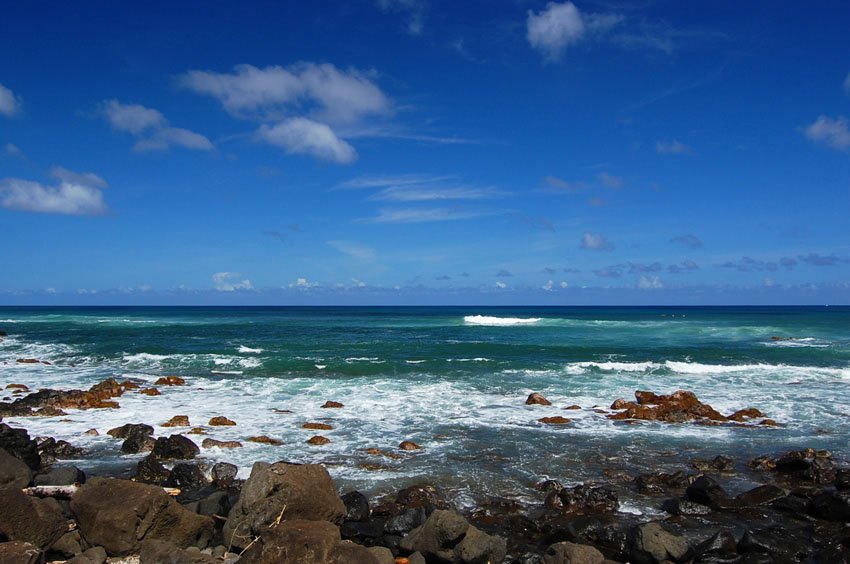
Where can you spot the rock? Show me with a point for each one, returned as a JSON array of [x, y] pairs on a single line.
[[685, 507], [557, 420], [332, 405], [224, 474], [177, 421], [175, 446], [129, 385], [382, 555], [584, 499], [650, 543], [212, 443], [266, 440], [792, 503], [196, 431], [678, 407], [30, 519], [138, 437], [362, 531], [18, 387], [537, 399], [317, 426], [162, 551], [409, 445], [300, 491], [832, 506], [28, 361], [13, 472], [842, 479], [48, 412], [151, 471], [94, 555], [217, 503], [761, 495], [170, 381], [150, 392], [719, 463], [68, 544], [221, 421], [49, 449], [97, 396], [419, 495], [775, 542], [318, 440], [187, 476], [570, 553], [620, 403], [60, 477], [707, 491], [745, 414], [92, 433], [17, 552], [356, 506], [573, 407], [446, 536], [119, 515], [295, 542], [721, 545], [408, 520], [17, 442]]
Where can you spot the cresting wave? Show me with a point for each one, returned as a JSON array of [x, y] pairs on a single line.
[[680, 367], [499, 321]]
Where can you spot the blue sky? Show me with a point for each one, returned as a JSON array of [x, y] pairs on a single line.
[[425, 152]]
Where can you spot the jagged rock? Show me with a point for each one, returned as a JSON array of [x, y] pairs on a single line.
[[719, 546], [177, 421], [356, 506], [535, 398], [571, 553], [118, 515], [447, 536], [745, 414], [419, 495], [60, 477], [679, 407], [650, 543], [170, 381], [151, 471], [224, 474], [832, 506], [212, 443], [30, 519], [220, 421], [303, 491], [707, 491], [175, 446], [17, 442], [719, 463], [332, 405], [654, 484], [49, 450], [781, 546], [162, 552], [405, 522], [187, 476], [13, 472], [137, 437], [98, 396], [760, 495], [583, 498], [685, 507], [18, 552]]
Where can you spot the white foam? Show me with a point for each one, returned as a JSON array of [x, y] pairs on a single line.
[[232, 372], [248, 350], [619, 366], [145, 357], [499, 321], [321, 366], [476, 359], [414, 361]]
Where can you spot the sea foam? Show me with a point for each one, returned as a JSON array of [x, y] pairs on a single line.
[[499, 321]]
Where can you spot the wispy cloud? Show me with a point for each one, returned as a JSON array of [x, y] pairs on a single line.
[[817, 259], [150, 128], [414, 9], [684, 266], [75, 194], [355, 250], [412, 193], [388, 181], [10, 104], [674, 147], [595, 242], [834, 133], [555, 185], [422, 215]]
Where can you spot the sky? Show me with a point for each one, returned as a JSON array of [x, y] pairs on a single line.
[[425, 152]]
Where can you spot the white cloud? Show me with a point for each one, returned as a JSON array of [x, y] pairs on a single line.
[[9, 103], [834, 133], [327, 93], [611, 181], [355, 250], [12, 150], [76, 194], [501, 285], [302, 284], [358, 283], [435, 193], [548, 286], [674, 147], [595, 242], [392, 181], [307, 137], [650, 283], [564, 285], [421, 215], [229, 282], [151, 128], [557, 27]]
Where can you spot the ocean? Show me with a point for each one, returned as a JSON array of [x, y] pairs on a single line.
[[452, 379]]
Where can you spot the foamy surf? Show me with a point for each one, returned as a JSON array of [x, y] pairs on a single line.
[[248, 350], [491, 321]]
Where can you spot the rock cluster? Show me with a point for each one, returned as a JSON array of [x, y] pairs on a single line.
[[679, 407]]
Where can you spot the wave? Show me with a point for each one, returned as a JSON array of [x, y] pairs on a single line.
[[476, 359], [681, 367], [488, 320], [248, 350]]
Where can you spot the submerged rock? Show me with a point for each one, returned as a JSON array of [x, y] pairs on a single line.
[[170, 381], [332, 405], [535, 398], [318, 440], [212, 443], [317, 426], [177, 421], [221, 421], [409, 445], [266, 440], [52, 401]]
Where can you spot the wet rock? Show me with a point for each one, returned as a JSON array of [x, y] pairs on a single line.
[[362, 531], [30, 361], [792, 503], [556, 420], [745, 414], [571, 553], [707, 491], [177, 421], [18, 552], [170, 381], [162, 551], [621, 403], [583, 499], [658, 483], [151, 471], [650, 543], [17, 442], [679, 407], [447, 536], [49, 450], [13, 472], [318, 440], [92, 433], [408, 520], [266, 440], [98, 396], [304, 491], [48, 412], [685, 507], [760, 495], [175, 447], [119, 515], [137, 437], [129, 429], [807, 465], [196, 431], [61, 477], [776, 542], [188, 476], [30, 519], [317, 426], [409, 445], [832, 506], [719, 463], [212, 443], [150, 392], [130, 385], [332, 405], [537, 399], [842, 479], [356, 506], [419, 495], [722, 545], [224, 474], [18, 387], [221, 421]]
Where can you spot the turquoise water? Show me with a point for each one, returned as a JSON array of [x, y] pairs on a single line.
[[453, 379]]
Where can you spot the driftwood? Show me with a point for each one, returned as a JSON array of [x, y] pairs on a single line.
[[67, 492]]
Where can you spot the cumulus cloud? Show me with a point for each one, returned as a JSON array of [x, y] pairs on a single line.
[[650, 283], [595, 242], [501, 285], [150, 128], [302, 284], [548, 286], [229, 282], [415, 10], [673, 147], [75, 194], [559, 26], [9, 103], [834, 133], [690, 241], [355, 250], [307, 137]]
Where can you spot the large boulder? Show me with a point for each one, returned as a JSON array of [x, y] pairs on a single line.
[[571, 553], [118, 515], [17, 552], [138, 437], [651, 543], [175, 446], [18, 443], [448, 537], [282, 491], [30, 519], [14, 472], [305, 542]]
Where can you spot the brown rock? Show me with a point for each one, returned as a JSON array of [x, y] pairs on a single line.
[[332, 404], [769, 423], [679, 407], [19, 552], [221, 421], [318, 440], [197, 431], [210, 443], [150, 392], [28, 361], [409, 445], [20, 387], [128, 385], [95, 397], [30, 519], [170, 381], [92, 432], [49, 411], [266, 440], [177, 421], [317, 426], [748, 413], [644, 398], [620, 403], [537, 399], [557, 420], [573, 407]]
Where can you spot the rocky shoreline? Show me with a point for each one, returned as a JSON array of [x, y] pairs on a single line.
[[295, 513]]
